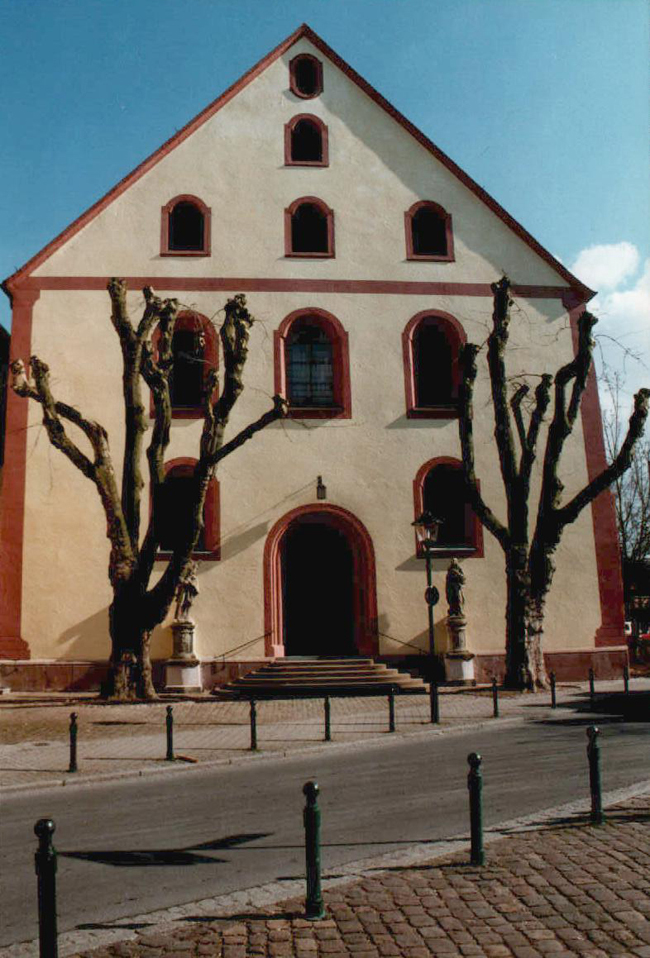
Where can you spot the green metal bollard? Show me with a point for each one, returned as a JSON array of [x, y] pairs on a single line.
[[73, 742], [495, 698], [169, 719], [626, 678], [391, 710], [475, 786], [434, 702], [553, 695], [314, 907], [593, 754], [328, 719], [592, 689], [253, 725], [45, 861]]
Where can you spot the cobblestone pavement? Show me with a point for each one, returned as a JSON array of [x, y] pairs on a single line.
[[116, 740], [561, 890]]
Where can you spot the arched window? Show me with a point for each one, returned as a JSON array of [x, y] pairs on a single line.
[[175, 507], [431, 346], [306, 76], [305, 141], [439, 487], [312, 365], [309, 228], [195, 351], [428, 233], [185, 227]]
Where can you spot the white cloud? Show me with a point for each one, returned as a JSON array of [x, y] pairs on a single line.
[[607, 266], [623, 311]]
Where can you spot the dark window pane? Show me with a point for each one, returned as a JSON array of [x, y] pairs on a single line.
[[186, 227], [306, 75], [433, 360], [306, 142], [186, 380], [429, 233], [310, 368], [309, 230], [444, 496], [175, 514]]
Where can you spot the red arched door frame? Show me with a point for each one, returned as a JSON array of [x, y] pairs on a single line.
[[365, 605]]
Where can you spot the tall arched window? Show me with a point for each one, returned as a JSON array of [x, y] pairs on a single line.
[[175, 507], [185, 227], [305, 141], [439, 487], [312, 366], [306, 76], [428, 232], [309, 228], [431, 345], [195, 352]]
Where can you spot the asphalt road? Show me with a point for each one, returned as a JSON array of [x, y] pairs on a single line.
[[145, 844]]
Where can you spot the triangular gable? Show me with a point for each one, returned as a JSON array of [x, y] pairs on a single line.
[[194, 124]]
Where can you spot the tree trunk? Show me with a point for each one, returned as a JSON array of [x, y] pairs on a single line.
[[517, 606], [536, 677], [130, 675]]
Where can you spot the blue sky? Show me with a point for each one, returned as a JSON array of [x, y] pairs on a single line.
[[544, 102]]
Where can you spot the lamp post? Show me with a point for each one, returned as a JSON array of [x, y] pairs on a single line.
[[426, 529]]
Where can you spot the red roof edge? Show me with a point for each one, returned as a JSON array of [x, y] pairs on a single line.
[[303, 31]]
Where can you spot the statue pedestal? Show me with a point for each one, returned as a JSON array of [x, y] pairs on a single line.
[[459, 663], [183, 670], [459, 668]]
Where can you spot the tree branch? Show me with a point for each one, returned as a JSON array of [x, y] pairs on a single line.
[[100, 471], [515, 404], [466, 431], [497, 342]]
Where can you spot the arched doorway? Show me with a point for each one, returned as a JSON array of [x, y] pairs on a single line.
[[319, 585]]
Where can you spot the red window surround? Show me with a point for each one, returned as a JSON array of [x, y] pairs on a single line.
[[473, 549], [288, 218], [184, 467], [190, 320], [164, 226], [447, 257], [456, 338], [288, 130], [294, 80], [340, 359]]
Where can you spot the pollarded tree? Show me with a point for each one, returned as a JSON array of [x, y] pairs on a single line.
[[137, 608], [529, 558]]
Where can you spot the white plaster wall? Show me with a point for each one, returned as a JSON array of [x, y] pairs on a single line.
[[235, 164], [368, 464]]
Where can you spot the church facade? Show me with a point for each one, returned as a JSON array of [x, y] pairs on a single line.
[[366, 256]]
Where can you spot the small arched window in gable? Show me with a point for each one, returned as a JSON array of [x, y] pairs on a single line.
[[439, 488], [306, 76], [309, 228], [195, 352], [428, 233], [431, 345], [312, 366], [174, 511], [305, 142], [185, 227]]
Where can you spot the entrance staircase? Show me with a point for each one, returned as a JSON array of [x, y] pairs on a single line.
[[293, 677]]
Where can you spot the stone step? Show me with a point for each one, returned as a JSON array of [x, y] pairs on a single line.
[[286, 678]]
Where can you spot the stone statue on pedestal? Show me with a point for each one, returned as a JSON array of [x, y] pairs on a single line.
[[183, 669], [459, 667], [186, 592]]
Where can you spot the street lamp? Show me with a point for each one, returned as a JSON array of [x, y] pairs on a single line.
[[426, 530]]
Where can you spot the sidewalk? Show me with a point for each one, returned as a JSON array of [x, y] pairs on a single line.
[[130, 740]]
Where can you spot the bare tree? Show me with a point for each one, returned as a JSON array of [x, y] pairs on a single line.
[[137, 608], [529, 559], [632, 489]]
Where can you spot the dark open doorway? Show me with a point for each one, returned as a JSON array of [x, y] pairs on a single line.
[[318, 589]]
